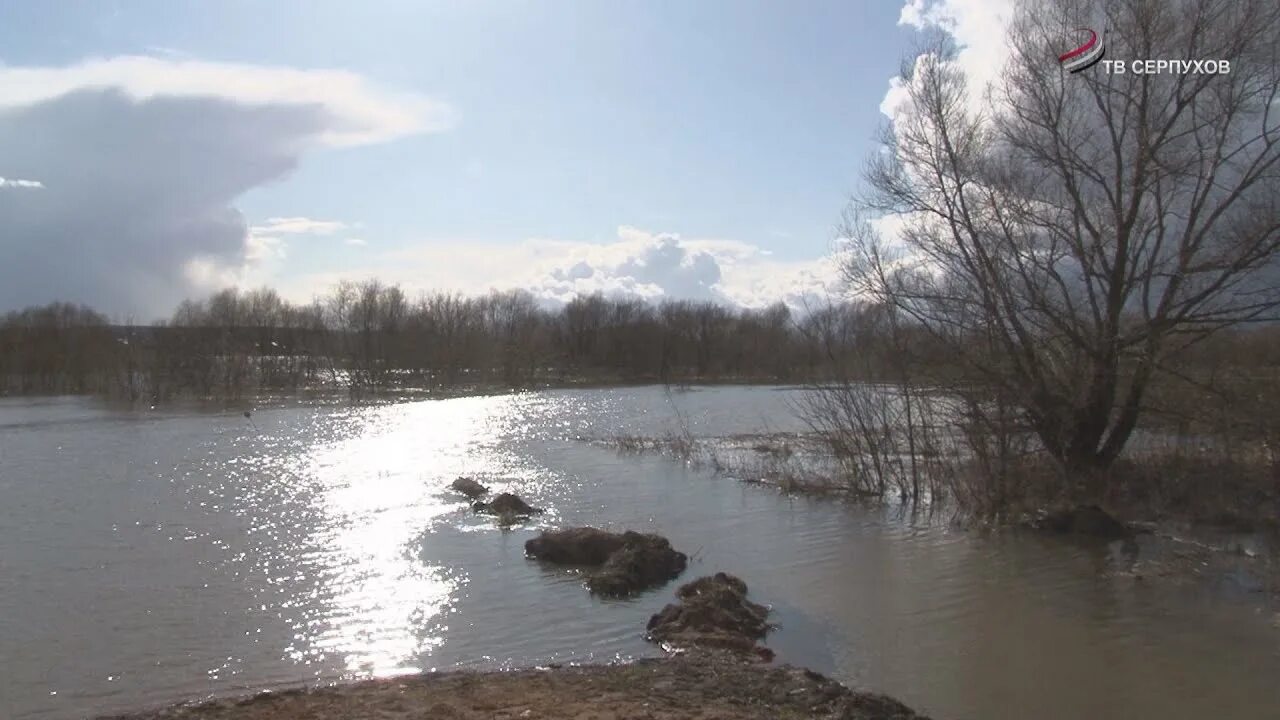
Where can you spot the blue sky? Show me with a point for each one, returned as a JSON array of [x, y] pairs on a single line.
[[677, 124]]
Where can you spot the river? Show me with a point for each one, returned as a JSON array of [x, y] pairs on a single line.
[[155, 555]]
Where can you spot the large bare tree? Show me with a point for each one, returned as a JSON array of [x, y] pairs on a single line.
[[1066, 234]]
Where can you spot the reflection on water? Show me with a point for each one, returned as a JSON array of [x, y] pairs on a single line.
[[154, 555], [381, 609]]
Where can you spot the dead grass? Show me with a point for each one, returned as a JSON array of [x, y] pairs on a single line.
[[1223, 469], [699, 686]]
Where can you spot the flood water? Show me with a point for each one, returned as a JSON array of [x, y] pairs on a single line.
[[149, 556]]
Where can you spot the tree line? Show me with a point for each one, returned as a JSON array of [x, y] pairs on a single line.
[[371, 336]]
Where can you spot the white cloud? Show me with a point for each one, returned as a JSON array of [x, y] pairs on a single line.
[[659, 266], [650, 266], [978, 28], [358, 110], [638, 263], [259, 248], [19, 183], [299, 226], [355, 242], [168, 52], [206, 274], [140, 161], [265, 246]]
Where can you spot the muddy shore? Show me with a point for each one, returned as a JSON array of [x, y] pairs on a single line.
[[701, 685]]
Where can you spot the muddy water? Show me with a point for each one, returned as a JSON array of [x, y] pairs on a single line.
[[155, 555]]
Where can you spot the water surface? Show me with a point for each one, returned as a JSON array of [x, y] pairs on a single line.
[[148, 556]]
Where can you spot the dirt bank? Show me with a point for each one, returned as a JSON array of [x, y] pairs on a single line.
[[701, 686]]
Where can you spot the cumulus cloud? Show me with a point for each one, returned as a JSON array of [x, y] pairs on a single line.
[[659, 266], [140, 161], [648, 265], [653, 266], [977, 27], [978, 30]]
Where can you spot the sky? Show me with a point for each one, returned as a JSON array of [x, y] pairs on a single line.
[[156, 150]]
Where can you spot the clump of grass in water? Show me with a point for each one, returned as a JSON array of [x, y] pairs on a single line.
[[683, 447], [681, 444], [630, 443]]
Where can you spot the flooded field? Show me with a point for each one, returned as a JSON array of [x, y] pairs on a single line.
[[149, 556]]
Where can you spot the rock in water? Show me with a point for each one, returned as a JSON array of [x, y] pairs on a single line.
[[622, 563], [469, 487], [584, 546], [507, 505], [643, 561], [713, 612]]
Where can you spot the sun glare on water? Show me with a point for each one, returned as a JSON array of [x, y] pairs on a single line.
[[375, 603]]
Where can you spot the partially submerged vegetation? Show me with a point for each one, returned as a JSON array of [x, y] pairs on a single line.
[[983, 459], [861, 447], [1069, 248]]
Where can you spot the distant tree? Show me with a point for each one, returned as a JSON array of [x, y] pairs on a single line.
[[368, 335], [55, 348]]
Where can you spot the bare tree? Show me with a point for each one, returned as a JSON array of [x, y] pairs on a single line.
[[1066, 234]]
